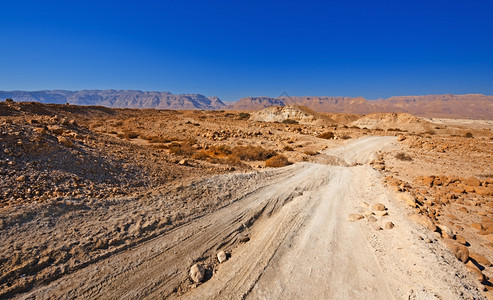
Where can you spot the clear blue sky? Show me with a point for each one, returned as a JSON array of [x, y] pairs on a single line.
[[234, 49]]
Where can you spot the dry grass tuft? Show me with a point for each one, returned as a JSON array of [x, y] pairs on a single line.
[[277, 161]]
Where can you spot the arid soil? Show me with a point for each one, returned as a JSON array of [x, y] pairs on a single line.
[[104, 203]]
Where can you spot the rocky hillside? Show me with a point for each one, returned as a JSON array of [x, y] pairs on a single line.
[[299, 114], [118, 99], [445, 106], [386, 121]]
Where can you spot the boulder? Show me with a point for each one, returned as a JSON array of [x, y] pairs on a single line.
[[477, 226], [221, 256], [55, 129], [472, 181], [378, 207], [460, 251], [407, 198], [446, 232], [475, 270], [65, 141], [460, 239], [388, 225], [424, 221], [197, 273], [481, 259]]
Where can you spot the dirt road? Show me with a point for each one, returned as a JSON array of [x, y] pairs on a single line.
[[289, 237]]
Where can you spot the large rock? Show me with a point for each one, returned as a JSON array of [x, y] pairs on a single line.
[[472, 181], [221, 256], [481, 259], [407, 198], [197, 273], [460, 251], [378, 207], [424, 221]]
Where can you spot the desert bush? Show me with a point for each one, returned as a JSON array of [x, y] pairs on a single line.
[[277, 161], [326, 135], [403, 156], [345, 137], [290, 121], [310, 152], [288, 148], [468, 135], [243, 115], [183, 149], [252, 153]]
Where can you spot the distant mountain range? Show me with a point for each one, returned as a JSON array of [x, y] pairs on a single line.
[[119, 99], [445, 106]]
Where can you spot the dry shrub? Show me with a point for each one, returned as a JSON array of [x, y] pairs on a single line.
[[128, 135], [243, 116], [326, 135], [277, 161], [183, 149], [218, 151], [290, 121], [252, 153], [288, 148], [468, 135], [345, 137], [403, 156], [310, 152]]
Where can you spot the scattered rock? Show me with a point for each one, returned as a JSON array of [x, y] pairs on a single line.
[[400, 138], [197, 273], [355, 217], [446, 232], [183, 162], [378, 207], [371, 219], [475, 270], [221, 256], [472, 181], [381, 213]]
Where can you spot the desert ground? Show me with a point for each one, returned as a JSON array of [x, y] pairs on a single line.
[[281, 203]]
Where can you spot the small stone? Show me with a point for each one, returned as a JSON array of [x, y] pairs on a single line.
[[65, 141], [221, 256], [197, 273], [388, 225], [400, 138], [378, 207], [355, 217], [381, 213], [183, 162], [371, 219], [377, 227], [21, 178]]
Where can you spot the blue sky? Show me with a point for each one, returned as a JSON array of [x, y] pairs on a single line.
[[235, 49]]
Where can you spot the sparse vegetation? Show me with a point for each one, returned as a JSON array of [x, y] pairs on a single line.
[[403, 156], [326, 135], [290, 121], [277, 161], [243, 116], [468, 135]]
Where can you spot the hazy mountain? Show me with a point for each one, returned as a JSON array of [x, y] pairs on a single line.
[[446, 106], [118, 98]]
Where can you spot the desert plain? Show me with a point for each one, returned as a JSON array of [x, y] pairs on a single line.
[[284, 202]]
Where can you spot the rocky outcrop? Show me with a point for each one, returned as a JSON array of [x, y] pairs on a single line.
[[401, 121], [299, 114]]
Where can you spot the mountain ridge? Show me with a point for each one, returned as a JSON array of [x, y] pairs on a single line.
[[477, 106]]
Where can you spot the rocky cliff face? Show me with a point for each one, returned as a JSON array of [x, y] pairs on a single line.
[[119, 99], [446, 106]]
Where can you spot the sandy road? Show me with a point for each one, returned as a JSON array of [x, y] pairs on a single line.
[[301, 245]]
